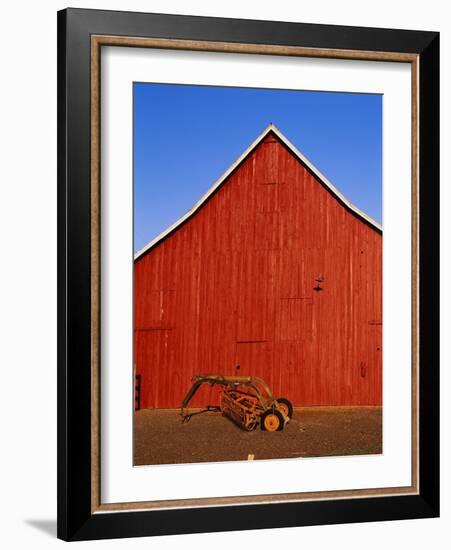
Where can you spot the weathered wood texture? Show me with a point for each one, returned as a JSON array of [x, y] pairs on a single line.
[[235, 285]]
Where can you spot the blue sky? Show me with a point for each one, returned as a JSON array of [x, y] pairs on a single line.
[[185, 138]]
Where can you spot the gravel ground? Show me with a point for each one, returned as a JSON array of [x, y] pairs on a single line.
[[161, 438]]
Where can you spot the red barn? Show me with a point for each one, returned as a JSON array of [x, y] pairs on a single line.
[[273, 270]]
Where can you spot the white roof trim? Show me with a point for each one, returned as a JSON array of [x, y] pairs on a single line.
[[270, 128]]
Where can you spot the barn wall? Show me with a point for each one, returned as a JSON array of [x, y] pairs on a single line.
[[235, 285]]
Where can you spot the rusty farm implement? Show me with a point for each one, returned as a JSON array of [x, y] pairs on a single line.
[[247, 400]]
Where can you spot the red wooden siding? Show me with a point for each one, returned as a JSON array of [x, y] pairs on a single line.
[[235, 285]]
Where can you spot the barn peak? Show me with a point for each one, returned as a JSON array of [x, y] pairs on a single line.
[[270, 129]]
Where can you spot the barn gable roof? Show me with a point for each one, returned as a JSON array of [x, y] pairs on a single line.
[[270, 128]]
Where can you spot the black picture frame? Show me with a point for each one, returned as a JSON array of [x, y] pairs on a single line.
[[76, 521]]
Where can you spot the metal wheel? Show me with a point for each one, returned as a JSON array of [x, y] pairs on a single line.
[[271, 421], [286, 406]]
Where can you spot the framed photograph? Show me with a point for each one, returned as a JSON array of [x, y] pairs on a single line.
[[248, 274]]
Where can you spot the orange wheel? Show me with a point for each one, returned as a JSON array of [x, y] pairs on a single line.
[[285, 406], [271, 421]]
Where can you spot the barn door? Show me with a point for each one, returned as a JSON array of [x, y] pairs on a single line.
[[154, 361], [255, 359], [375, 363]]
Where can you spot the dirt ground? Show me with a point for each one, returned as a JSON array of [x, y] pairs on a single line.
[[161, 438]]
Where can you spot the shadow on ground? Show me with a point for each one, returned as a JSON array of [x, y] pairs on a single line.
[[47, 526]]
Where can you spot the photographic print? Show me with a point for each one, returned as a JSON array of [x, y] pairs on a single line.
[[248, 251], [257, 274]]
